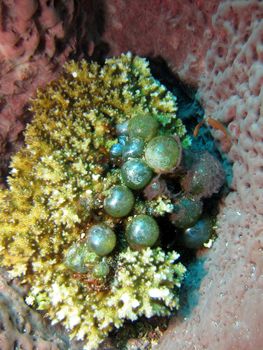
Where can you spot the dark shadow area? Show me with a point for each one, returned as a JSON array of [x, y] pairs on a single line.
[[90, 14], [189, 292], [189, 108]]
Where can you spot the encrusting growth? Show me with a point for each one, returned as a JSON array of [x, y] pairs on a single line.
[[53, 222]]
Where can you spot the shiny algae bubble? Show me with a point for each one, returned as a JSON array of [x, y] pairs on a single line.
[[75, 258], [143, 126], [116, 150], [136, 174], [194, 237], [133, 149], [101, 270], [120, 201], [101, 239], [186, 212], [142, 232], [162, 153], [122, 128]]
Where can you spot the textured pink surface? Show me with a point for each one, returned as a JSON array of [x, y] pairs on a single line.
[[180, 31], [230, 308], [231, 91], [36, 38]]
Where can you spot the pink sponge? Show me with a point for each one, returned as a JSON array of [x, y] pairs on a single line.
[[230, 300], [231, 91], [180, 31]]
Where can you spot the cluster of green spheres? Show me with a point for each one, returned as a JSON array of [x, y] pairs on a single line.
[[139, 139], [136, 174], [141, 153]]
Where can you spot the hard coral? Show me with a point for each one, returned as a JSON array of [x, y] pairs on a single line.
[[56, 184]]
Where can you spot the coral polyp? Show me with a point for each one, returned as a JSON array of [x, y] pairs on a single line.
[[57, 188]]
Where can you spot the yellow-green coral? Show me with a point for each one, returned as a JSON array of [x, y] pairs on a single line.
[[55, 184], [144, 284]]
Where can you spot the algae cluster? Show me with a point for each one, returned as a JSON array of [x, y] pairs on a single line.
[[57, 185]]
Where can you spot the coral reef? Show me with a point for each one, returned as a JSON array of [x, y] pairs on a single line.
[[219, 51], [36, 38], [49, 215]]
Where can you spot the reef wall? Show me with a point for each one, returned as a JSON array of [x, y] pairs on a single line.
[[215, 46]]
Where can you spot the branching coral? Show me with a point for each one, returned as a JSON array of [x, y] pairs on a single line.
[[56, 190], [144, 284]]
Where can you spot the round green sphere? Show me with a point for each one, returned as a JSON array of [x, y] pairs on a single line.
[[162, 153], [143, 126], [120, 202], [133, 149], [142, 232], [136, 174], [122, 128], [101, 239], [186, 212]]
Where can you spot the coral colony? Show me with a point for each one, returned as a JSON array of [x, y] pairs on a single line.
[[105, 160]]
